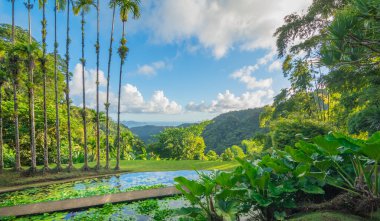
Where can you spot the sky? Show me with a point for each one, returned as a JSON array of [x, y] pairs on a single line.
[[189, 60]]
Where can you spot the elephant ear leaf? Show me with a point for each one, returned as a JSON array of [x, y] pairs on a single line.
[[371, 148], [313, 189], [189, 211], [328, 146], [225, 179], [262, 201], [193, 187]]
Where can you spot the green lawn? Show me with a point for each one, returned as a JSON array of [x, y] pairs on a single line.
[[9, 178]]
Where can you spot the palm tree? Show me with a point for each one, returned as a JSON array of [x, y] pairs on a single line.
[[126, 7], [29, 52], [97, 48], [14, 70], [59, 5], [67, 90], [2, 81], [42, 4], [107, 104], [83, 6]]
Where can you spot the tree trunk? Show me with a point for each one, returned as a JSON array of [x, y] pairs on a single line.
[[85, 166], [17, 136], [1, 130], [97, 47], [70, 166], [108, 89], [43, 63], [17, 144], [118, 106], [33, 167], [57, 135]]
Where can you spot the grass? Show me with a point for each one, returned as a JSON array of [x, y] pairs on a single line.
[[9, 179], [332, 216]]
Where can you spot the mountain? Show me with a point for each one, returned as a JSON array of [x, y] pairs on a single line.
[[231, 128], [226, 129], [131, 124], [146, 132]]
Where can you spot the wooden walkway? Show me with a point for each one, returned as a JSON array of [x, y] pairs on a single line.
[[80, 203]]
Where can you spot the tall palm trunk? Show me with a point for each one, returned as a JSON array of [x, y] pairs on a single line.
[[85, 166], [122, 56], [43, 64], [108, 89], [33, 167], [97, 47], [15, 101], [1, 129], [57, 136], [70, 166]]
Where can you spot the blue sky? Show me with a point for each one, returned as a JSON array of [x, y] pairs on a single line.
[[189, 60]]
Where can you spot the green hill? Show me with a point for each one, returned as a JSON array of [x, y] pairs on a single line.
[[147, 132], [231, 128], [226, 130]]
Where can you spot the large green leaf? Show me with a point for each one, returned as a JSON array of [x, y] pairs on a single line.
[[228, 209], [191, 185], [225, 179], [323, 165], [280, 215], [313, 189], [297, 155], [328, 146], [261, 200], [301, 170], [189, 211]]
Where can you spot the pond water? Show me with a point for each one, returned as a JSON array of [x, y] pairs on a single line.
[[128, 180], [96, 186], [153, 209]]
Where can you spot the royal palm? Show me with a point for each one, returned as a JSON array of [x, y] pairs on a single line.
[[112, 4], [126, 7], [59, 5], [82, 7]]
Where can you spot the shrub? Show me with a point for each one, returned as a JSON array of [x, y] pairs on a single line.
[[228, 155], [212, 155], [284, 131]]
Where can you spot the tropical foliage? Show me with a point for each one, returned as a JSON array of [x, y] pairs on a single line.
[[281, 182]]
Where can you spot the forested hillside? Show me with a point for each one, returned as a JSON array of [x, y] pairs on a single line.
[[146, 133], [231, 128]]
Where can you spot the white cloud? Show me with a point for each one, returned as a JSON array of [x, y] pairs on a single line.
[[218, 25], [132, 100], [244, 75], [275, 66], [151, 69], [227, 101]]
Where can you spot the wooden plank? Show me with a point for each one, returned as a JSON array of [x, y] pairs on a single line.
[[74, 204]]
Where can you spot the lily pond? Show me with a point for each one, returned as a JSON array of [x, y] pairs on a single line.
[[95, 186], [153, 209]]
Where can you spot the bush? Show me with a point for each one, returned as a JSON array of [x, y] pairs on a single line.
[[212, 155], [284, 131], [228, 155], [237, 151]]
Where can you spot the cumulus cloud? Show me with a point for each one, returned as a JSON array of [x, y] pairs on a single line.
[[151, 69], [132, 100], [244, 75], [275, 66], [219, 25], [228, 101]]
